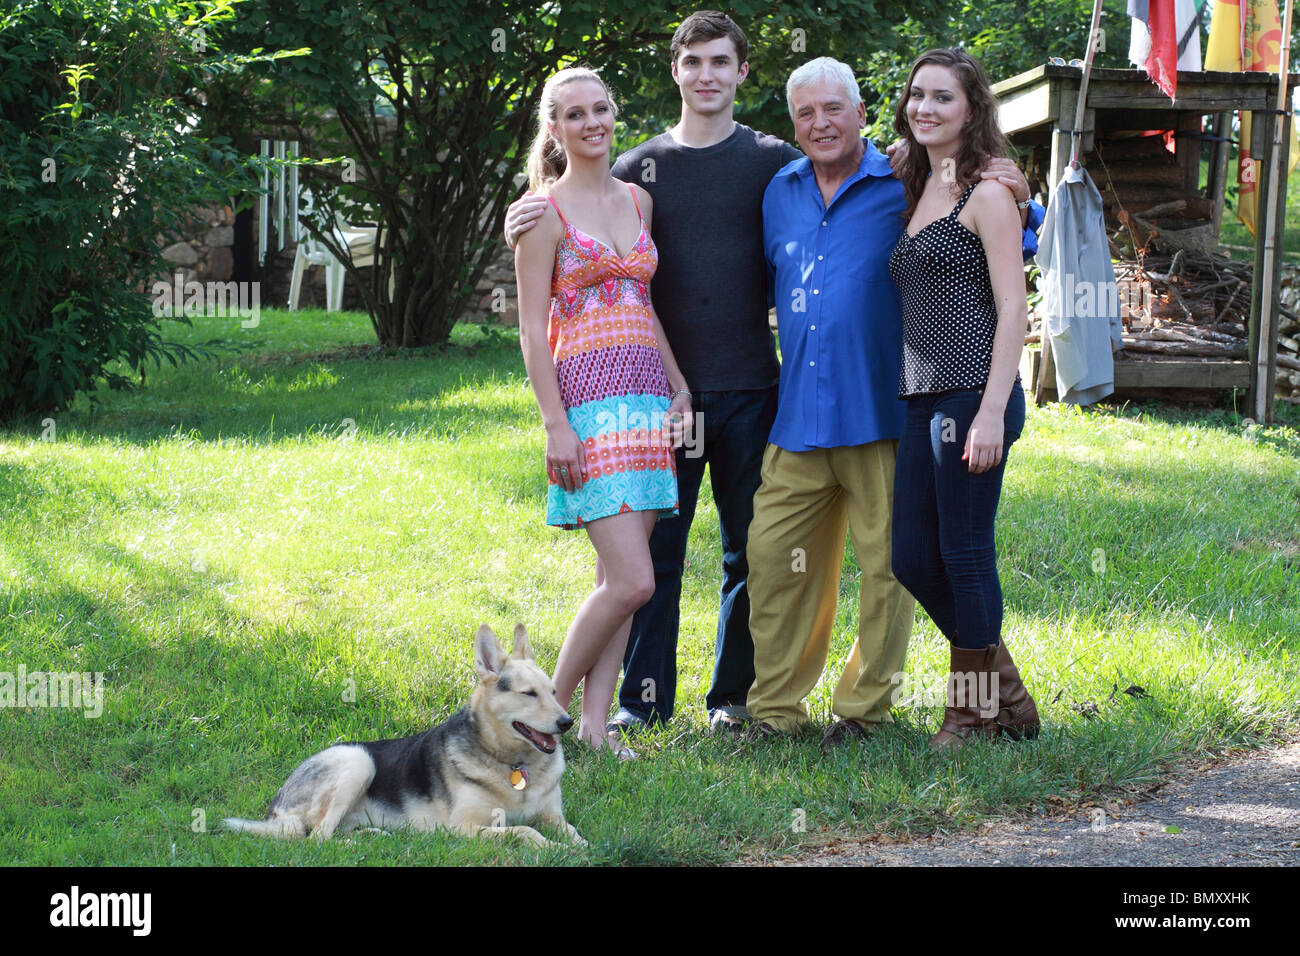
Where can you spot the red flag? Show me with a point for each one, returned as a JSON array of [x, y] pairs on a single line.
[[1162, 62]]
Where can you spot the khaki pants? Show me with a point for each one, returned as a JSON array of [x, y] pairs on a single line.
[[796, 547]]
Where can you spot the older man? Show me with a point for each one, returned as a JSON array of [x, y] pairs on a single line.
[[830, 222]]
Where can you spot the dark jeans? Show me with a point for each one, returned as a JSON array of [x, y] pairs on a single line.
[[943, 550], [734, 434]]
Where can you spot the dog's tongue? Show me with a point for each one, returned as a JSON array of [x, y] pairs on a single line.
[[545, 741]]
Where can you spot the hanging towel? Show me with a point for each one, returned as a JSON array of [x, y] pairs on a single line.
[[1080, 303]]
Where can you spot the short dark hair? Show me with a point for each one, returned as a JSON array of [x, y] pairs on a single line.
[[705, 25]]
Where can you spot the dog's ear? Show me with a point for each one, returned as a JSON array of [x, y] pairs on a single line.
[[522, 650], [489, 655]]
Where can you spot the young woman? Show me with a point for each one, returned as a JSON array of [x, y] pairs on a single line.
[[959, 268], [613, 401]]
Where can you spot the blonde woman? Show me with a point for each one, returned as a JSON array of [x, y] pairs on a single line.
[[613, 401]]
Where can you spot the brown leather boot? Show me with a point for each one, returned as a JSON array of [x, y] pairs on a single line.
[[1017, 712], [971, 709]]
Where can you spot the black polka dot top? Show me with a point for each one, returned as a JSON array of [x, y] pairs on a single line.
[[949, 313]]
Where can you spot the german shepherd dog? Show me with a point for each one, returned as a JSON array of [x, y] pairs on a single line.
[[490, 768]]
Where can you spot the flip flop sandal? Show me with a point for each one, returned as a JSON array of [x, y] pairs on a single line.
[[619, 749]]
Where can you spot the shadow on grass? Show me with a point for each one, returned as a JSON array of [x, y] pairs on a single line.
[[1179, 561], [214, 713], [293, 670], [1283, 436], [215, 709], [259, 398]]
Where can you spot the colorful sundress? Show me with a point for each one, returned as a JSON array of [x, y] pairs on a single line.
[[612, 382]]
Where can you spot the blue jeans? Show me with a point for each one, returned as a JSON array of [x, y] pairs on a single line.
[[943, 549], [734, 434]]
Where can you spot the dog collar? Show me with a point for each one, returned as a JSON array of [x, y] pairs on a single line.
[[518, 777]]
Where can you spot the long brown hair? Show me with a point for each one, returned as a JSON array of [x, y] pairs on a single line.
[[981, 137]]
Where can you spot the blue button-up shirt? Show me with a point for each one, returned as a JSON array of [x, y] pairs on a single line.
[[839, 317], [838, 312]]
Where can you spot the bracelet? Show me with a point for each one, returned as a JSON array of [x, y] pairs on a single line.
[[680, 391], [1025, 204]]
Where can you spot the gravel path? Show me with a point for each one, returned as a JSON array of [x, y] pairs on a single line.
[[1240, 812]]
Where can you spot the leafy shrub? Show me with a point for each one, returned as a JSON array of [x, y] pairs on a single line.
[[98, 166]]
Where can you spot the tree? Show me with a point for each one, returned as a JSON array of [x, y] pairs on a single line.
[[1006, 36], [460, 80], [98, 160]]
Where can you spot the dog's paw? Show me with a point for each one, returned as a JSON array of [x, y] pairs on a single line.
[[535, 838]]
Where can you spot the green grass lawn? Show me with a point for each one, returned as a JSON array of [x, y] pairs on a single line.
[[241, 542]]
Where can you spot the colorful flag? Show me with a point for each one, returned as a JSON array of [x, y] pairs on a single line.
[[1223, 51], [1247, 35], [1161, 21], [1188, 21]]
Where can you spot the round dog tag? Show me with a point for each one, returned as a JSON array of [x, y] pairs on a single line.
[[518, 778]]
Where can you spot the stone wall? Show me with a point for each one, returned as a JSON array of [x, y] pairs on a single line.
[[278, 273], [497, 299], [206, 254]]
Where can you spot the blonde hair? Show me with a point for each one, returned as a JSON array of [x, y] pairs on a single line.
[[546, 155]]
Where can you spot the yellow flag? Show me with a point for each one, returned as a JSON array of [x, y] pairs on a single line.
[[1261, 35], [1223, 52], [1247, 35], [1247, 197]]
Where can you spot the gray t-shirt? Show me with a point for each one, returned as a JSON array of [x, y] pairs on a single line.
[[710, 290]]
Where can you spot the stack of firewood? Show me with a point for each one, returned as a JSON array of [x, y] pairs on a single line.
[[1195, 304], [1288, 341], [1179, 297]]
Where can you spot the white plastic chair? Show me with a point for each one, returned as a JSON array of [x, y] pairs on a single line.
[[360, 240]]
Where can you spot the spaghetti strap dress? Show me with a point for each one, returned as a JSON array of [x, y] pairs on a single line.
[[612, 381]]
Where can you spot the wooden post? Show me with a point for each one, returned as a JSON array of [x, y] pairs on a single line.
[[1262, 125], [1187, 149], [1275, 292], [1088, 141], [1269, 222], [1216, 184]]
